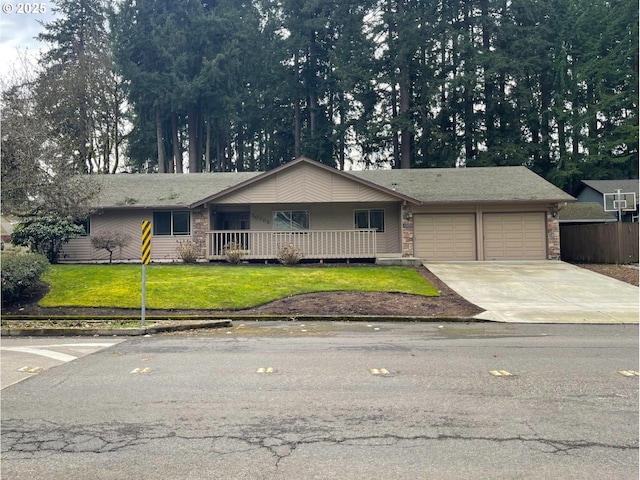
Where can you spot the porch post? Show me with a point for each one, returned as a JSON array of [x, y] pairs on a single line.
[[407, 231]]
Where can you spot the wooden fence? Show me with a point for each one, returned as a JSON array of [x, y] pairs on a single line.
[[600, 243]]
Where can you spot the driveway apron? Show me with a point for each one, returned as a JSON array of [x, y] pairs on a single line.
[[540, 292]]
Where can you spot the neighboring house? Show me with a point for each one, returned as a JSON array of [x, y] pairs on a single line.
[[580, 213], [490, 213], [7, 228], [593, 191]]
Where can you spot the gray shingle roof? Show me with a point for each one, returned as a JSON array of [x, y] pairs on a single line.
[[163, 190], [480, 184], [584, 212], [483, 184], [610, 186]]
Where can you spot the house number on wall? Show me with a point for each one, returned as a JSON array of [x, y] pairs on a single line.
[[260, 218]]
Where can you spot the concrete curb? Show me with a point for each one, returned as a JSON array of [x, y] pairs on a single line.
[[109, 332], [18, 331]]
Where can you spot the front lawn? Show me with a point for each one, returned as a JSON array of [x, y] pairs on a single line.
[[207, 287]]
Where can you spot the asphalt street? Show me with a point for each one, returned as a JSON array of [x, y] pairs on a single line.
[[335, 400]]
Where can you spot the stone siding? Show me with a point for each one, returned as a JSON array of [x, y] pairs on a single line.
[[553, 234], [407, 231], [200, 227]]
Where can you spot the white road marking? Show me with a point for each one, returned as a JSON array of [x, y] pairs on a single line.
[[63, 357], [80, 345]]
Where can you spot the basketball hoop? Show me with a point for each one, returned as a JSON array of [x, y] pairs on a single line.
[[620, 202]]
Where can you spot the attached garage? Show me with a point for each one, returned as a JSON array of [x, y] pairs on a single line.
[[514, 236], [445, 236]]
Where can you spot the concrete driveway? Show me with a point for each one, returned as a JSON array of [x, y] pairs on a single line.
[[540, 292]]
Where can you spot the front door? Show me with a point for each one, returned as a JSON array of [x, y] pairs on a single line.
[[233, 221], [230, 223]]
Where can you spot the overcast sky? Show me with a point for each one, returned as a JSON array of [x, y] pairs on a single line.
[[18, 29]]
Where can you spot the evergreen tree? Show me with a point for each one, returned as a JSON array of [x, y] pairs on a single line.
[[78, 92]]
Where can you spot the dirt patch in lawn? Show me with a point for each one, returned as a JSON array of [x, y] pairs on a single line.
[[448, 304]]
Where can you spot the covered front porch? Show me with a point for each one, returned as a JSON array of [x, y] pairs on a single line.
[[314, 244]]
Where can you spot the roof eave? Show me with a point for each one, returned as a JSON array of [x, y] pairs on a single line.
[[485, 202], [143, 207], [588, 220]]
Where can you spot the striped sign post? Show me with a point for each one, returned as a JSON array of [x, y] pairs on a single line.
[[146, 258]]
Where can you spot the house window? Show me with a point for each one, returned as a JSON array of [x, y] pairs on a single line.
[[369, 218], [291, 220], [86, 224], [172, 223]]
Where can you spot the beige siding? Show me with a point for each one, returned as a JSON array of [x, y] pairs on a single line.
[[304, 184], [336, 216], [162, 248], [445, 236], [79, 250], [514, 236]]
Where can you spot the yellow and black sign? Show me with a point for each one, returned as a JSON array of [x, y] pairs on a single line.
[[146, 242]]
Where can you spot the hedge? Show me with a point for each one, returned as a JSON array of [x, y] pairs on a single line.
[[20, 271]]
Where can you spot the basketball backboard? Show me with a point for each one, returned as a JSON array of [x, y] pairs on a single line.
[[620, 202]]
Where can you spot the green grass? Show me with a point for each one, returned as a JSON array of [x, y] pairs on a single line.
[[215, 287]]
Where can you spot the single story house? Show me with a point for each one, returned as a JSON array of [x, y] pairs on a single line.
[[487, 213], [595, 191]]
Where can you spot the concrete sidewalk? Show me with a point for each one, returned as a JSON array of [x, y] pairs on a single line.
[[540, 292]]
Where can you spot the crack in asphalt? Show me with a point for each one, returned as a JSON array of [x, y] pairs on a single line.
[[26, 440]]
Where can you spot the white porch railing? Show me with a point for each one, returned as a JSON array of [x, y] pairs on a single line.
[[314, 244]]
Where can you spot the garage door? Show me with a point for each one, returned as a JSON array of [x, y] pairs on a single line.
[[445, 237], [514, 236]]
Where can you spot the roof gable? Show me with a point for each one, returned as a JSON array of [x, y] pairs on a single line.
[[305, 181]]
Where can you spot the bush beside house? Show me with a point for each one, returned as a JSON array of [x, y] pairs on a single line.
[[19, 272]]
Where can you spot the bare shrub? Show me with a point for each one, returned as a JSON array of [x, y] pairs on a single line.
[[289, 254], [233, 252], [110, 240], [188, 251]]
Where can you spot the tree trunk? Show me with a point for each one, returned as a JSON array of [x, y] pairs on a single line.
[[405, 132], [192, 123], [116, 136], [177, 154], [405, 92], [394, 133], [342, 129], [490, 108], [160, 143], [207, 150], [296, 107], [313, 89]]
